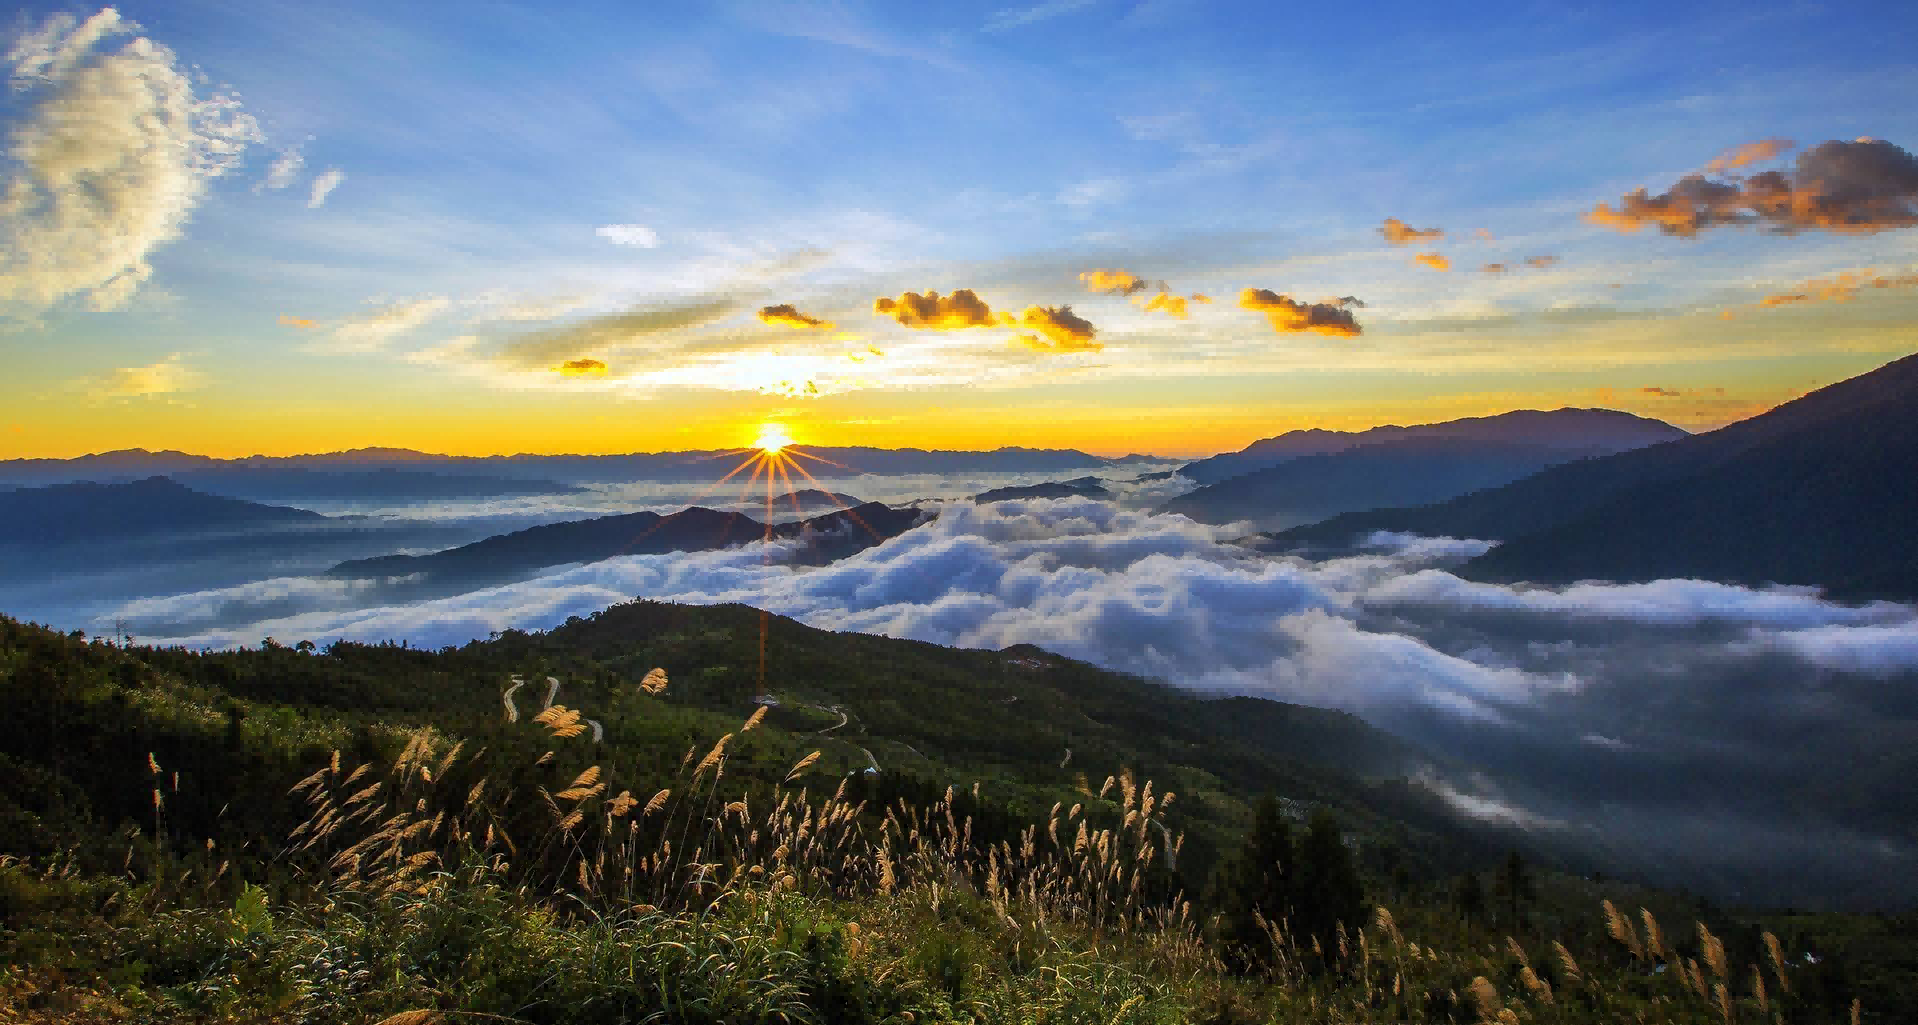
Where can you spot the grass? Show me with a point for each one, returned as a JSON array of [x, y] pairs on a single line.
[[523, 866]]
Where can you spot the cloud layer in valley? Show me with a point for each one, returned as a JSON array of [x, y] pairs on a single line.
[[1664, 704]]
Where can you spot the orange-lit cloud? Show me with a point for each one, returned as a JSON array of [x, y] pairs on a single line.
[[1540, 262], [1842, 287], [787, 315], [1853, 188], [961, 309], [1200, 297], [1677, 393], [1174, 305], [1399, 233], [581, 368], [1436, 261], [1750, 153], [1494, 268], [1059, 329], [1484, 236], [299, 322], [1113, 282], [1287, 314]]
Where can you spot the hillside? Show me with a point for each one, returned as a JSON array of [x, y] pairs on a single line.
[[366, 833], [505, 556], [1413, 471], [1080, 487], [1581, 431], [1817, 491], [85, 512]]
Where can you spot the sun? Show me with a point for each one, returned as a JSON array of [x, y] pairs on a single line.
[[772, 438]]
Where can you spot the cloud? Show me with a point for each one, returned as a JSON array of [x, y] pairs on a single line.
[[581, 368], [1399, 233], [1540, 262], [629, 235], [1168, 303], [370, 331], [1288, 315], [787, 315], [1436, 261], [1494, 268], [303, 323], [1842, 287], [1113, 282], [166, 377], [111, 152], [1018, 17], [635, 331], [284, 170], [1853, 188], [1663, 393], [961, 309], [1750, 153], [1648, 711], [1059, 329], [323, 185]]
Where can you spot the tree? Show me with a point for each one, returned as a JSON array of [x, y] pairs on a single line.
[[1255, 884], [1469, 895], [1513, 884], [1328, 893]]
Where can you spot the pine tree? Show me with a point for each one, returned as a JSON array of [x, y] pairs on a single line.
[[1513, 884], [1469, 894], [1328, 892], [1257, 883]]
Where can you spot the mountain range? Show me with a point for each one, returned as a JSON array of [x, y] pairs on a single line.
[[1817, 491], [1576, 432], [565, 469], [507, 556], [86, 511]]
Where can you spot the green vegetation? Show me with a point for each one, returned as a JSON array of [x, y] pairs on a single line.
[[373, 833]]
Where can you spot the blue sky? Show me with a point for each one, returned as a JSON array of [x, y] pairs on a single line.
[[519, 186]]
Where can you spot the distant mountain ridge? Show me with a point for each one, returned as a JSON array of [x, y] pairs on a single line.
[[1584, 431], [86, 511], [693, 529], [1411, 471], [1078, 487], [569, 469], [1821, 490]]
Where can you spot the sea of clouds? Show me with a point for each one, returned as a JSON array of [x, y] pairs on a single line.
[[1692, 727]]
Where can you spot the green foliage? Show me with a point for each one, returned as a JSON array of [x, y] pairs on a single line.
[[286, 835]]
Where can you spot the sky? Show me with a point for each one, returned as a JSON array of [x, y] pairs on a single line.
[[238, 228]]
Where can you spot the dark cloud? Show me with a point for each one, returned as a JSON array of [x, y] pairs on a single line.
[[962, 309], [1399, 233], [1288, 315], [1859, 187], [1057, 328], [787, 315]]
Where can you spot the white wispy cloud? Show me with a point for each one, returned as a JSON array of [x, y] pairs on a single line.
[[371, 331], [629, 235], [1018, 17], [284, 170], [323, 185], [112, 153]]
